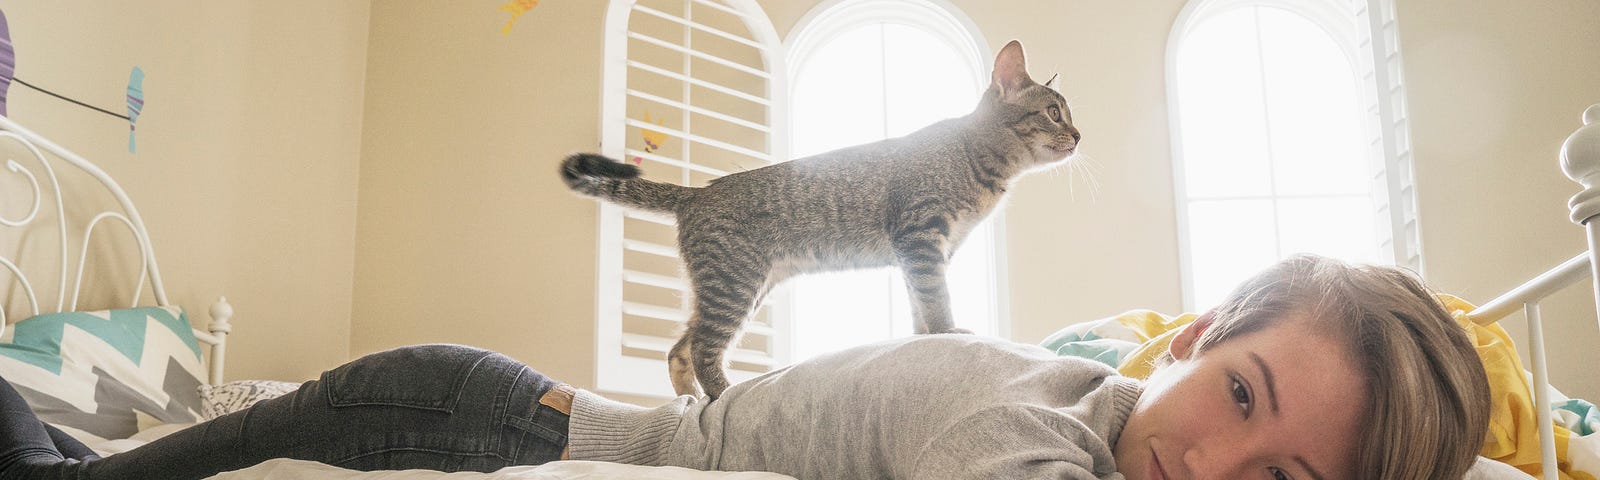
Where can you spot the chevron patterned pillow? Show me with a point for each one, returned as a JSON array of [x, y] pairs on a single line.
[[106, 375]]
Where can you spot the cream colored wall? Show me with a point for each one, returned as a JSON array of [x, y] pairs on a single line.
[[245, 172], [1494, 88], [465, 233]]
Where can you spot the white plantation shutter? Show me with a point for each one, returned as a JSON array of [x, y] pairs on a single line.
[[705, 77], [1395, 186]]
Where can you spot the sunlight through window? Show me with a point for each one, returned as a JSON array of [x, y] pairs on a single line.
[[1272, 148], [866, 83]]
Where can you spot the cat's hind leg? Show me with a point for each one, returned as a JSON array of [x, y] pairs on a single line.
[[725, 294]]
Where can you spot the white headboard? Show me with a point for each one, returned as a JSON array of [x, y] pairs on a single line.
[[63, 280]]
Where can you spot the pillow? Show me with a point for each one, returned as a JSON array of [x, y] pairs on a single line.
[[104, 375], [216, 401]]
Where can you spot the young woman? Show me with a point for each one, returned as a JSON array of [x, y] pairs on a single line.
[[1311, 370]]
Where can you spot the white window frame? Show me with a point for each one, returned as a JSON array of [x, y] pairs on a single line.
[[943, 20], [615, 370], [1351, 24]]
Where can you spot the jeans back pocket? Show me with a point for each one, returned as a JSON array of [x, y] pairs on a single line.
[[429, 377]]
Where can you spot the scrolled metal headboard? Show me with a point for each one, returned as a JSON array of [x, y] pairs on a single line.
[[42, 150]]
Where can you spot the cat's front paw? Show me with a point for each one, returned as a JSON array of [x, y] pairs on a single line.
[[953, 330]]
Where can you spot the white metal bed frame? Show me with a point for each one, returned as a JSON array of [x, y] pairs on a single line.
[[1580, 159], [221, 312]]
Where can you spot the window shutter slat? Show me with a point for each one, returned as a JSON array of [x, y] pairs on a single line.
[[675, 162], [698, 54], [696, 26], [699, 83]]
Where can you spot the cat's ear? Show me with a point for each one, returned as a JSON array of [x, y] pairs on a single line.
[[1010, 70]]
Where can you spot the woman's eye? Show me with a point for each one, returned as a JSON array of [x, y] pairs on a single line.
[[1055, 113], [1241, 396], [1278, 474]]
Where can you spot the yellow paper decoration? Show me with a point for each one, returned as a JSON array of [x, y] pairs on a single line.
[[517, 8]]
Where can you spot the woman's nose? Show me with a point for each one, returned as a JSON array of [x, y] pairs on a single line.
[[1217, 461]]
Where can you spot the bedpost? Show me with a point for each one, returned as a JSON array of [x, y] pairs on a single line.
[[1580, 160], [221, 313]]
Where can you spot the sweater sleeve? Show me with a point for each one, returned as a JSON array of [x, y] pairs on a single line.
[[1017, 441], [612, 431]]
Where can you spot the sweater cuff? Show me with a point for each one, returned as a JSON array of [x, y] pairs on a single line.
[[605, 430]]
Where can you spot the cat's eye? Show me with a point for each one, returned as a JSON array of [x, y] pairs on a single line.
[[1278, 473], [1054, 112]]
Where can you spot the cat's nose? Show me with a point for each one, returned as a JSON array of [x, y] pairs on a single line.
[[1076, 136]]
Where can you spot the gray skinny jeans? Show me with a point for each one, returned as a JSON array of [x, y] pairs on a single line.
[[436, 407]]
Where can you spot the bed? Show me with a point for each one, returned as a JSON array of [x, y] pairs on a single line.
[[117, 365]]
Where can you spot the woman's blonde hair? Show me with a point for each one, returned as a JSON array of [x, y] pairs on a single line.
[[1429, 396]]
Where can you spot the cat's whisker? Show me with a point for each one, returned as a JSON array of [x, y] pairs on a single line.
[[1080, 165], [1094, 174], [1072, 179], [1085, 163]]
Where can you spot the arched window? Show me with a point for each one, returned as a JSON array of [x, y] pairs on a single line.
[[862, 71], [691, 90], [1280, 143]]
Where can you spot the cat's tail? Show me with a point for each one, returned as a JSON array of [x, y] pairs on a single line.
[[601, 177]]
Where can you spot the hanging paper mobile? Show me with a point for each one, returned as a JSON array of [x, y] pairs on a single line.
[[517, 8], [135, 101], [652, 139], [8, 68], [8, 61]]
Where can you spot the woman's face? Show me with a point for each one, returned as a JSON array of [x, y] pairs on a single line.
[[1283, 402]]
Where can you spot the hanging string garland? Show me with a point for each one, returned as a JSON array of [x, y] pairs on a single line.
[[8, 69], [78, 103]]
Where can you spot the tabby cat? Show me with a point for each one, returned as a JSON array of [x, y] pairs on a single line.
[[905, 202]]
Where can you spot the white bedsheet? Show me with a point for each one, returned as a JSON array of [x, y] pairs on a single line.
[[285, 469]]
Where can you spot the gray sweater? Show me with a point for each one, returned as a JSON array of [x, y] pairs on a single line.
[[923, 407]]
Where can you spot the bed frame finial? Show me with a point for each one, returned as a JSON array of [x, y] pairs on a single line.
[[221, 314], [1580, 159]]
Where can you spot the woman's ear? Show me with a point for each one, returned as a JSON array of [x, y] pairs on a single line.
[[1183, 344]]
